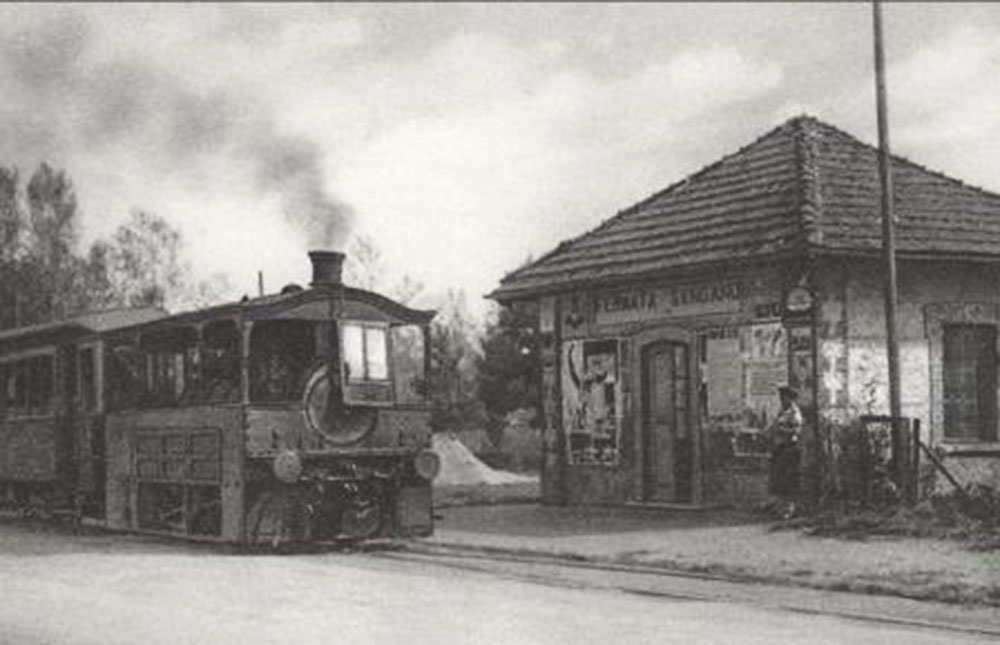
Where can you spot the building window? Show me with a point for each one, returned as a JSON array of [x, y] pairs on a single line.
[[970, 382]]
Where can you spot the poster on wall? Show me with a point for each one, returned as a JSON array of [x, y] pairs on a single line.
[[766, 371], [724, 377], [591, 391], [800, 375], [742, 369]]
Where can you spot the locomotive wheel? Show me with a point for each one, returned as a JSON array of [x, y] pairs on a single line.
[[361, 522], [280, 517]]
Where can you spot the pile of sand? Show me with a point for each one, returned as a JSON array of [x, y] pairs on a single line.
[[459, 467]]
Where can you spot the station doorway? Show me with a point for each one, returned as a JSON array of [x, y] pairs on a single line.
[[667, 432]]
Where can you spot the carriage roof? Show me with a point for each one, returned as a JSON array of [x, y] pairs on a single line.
[[80, 326], [313, 303]]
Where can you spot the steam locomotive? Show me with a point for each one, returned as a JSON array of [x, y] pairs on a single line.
[[294, 417]]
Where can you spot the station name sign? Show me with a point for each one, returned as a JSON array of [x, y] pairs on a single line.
[[641, 304]]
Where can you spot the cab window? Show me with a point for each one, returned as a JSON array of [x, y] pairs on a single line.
[[281, 355], [365, 353], [409, 380]]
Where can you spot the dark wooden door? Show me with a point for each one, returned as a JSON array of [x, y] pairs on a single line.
[[667, 432]]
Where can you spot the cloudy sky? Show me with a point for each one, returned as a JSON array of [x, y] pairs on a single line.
[[460, 137]]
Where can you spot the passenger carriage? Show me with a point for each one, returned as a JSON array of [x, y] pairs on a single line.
[[294, 417]]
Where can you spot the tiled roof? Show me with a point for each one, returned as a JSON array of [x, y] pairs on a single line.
[[805, 186]]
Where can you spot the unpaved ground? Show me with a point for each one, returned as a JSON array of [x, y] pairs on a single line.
[[725, 544], [84, 590]]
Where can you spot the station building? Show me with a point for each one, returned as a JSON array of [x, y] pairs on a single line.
[[667, 329]]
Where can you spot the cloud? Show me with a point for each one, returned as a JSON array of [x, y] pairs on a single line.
[[461, 153], [165, 116], [950, 88], [509, 169], [944, 104]]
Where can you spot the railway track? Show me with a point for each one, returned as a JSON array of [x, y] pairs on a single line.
[[697, 587]]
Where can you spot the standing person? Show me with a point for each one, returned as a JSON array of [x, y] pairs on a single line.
[[784, 434]]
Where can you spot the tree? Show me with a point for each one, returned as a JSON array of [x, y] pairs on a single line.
[[142, 266], [11, 223], [44, 277], [452, 378], [365, 268], [38, 239], [509, 371], [143, 260]]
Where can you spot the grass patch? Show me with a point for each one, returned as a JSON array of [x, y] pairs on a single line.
[[972, 519]]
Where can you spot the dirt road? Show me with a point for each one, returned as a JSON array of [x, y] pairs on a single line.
[[82, 590]]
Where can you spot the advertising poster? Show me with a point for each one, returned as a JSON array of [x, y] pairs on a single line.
[[725, 376], [591, 395], [766, 371]]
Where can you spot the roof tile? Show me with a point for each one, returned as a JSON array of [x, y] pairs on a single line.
[[803, 186]]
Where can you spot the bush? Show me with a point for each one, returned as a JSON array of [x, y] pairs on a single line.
[[973, 517], [520, 447]]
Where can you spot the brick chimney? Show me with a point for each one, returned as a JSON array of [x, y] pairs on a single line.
[[328, 267]]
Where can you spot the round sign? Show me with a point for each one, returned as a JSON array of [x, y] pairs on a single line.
[[427, 463], [287, 466], [798, 300]]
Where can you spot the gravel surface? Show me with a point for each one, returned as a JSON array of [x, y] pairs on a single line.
[[88, 589], [726, 544]]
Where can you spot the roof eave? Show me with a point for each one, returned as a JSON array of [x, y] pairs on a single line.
[[504, 295], [910, 255]]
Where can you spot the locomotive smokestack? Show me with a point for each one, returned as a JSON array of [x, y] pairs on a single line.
[[327, 268]]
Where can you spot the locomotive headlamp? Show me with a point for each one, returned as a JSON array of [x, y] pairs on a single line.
[[287, 466], [427, 464]]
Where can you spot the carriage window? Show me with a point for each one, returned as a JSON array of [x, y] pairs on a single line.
[[4, 394], [365, 353], [28, 386], [171, 366], [408, 363], [87, 382], [281, 355], [39, 382], [8, 381], [124, 374], [220, 362]]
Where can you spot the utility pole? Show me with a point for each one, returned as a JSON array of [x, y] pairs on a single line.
[[888, 231]]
